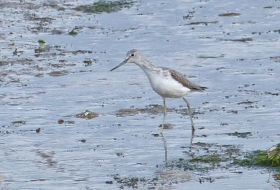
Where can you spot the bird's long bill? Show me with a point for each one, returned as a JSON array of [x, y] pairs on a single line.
[[122, 63]]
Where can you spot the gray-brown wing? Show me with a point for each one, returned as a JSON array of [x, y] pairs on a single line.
[[185, 82]]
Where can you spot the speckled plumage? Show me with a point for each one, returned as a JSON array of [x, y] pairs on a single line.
[[185, 82]]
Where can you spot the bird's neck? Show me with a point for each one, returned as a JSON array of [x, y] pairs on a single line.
[[146, 65]]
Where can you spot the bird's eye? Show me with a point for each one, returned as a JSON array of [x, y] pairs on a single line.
[[132, 55]]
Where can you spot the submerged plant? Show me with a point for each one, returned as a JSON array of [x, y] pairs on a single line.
[[274, 155], [270, 157]]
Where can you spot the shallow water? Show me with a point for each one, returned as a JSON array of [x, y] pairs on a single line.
[[236, 57]]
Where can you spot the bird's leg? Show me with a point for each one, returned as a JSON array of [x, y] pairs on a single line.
[[164, 115], [190, 113]]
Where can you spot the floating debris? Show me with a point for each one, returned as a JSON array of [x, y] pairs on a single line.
[[19, 122], [88, 62], [60, 121], [167, 126], [273, 93], [230, 14], [203, 23], [275, 58], [120, 154], [247, 102], [240, 135], [87, 115], [151, 109], [58, 73], [239, 40], [83, 140], [38, 130]]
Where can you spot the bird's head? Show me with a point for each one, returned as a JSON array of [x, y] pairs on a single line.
[[132, 56]]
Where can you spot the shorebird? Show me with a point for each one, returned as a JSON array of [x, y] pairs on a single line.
[[166, 82]]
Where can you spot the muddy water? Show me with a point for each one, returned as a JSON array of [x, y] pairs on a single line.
[[230, 47]]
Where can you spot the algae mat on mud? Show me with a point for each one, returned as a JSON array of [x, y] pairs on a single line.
[[105, 6]]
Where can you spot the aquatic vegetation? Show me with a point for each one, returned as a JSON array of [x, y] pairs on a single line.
[[132, 182], [207, 158], [240, 135], [274, 155], [41, 42], [73, 32], [202, 158], [105, 6], [276, 176], [268, 158]]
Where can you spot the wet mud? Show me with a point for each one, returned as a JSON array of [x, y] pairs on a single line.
[[68, 122]]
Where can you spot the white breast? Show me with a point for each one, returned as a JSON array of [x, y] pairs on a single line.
[[165, 85]]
